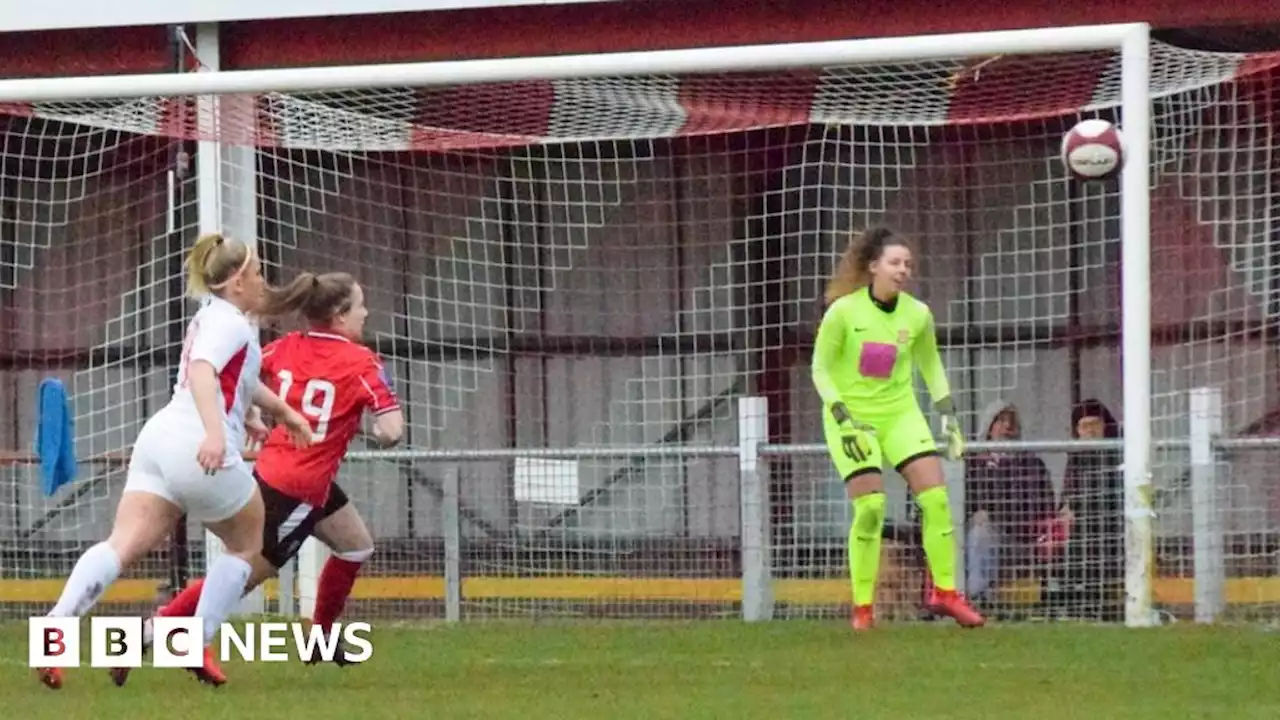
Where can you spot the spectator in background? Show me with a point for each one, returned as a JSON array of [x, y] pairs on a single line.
[[1092, 510], [1008, 498]]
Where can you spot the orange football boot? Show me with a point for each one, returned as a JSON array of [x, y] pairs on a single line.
[[864, 617], [953, 605], [50, 677], [210, 673]]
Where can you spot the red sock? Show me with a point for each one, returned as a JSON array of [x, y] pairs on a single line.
[[184, 603], [336, 580]]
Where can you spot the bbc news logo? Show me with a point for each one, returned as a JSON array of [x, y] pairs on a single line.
[[176, 642]]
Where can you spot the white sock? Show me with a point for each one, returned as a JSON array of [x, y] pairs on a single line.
[[94, 572], [223, 587]]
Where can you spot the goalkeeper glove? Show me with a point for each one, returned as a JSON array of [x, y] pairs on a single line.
[[841, 414], [853, 434], [848, 426], [951, 428], [955, 438]]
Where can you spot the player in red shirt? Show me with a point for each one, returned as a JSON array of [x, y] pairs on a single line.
[[331, 379]]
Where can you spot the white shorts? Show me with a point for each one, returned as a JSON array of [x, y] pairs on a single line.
[[163, 463]]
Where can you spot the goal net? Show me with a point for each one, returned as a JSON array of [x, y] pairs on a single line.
[[574, 282]]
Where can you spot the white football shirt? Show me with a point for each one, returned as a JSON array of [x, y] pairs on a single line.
[[222, 336]]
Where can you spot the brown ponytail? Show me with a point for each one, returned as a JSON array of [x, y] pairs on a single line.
[[853, 272], [213, 260], [318, 298]]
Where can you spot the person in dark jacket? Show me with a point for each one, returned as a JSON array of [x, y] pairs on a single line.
[[1008, 498], [1092, 509]]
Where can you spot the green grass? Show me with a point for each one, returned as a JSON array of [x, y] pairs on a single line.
[[712, 669]]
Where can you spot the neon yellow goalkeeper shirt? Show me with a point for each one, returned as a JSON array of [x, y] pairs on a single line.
[[864, 353]]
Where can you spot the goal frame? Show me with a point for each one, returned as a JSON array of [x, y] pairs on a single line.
[[1132, 41]]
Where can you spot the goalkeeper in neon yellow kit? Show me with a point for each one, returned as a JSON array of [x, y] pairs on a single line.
[[870, 337]]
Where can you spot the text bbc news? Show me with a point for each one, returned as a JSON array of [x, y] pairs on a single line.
[[176, 642]]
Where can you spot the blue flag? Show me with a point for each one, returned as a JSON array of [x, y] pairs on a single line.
[[55, 436]]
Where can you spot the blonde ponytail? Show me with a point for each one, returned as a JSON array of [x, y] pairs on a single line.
[[213, 260]]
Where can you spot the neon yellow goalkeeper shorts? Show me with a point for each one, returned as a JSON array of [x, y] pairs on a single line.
[[894, 438]]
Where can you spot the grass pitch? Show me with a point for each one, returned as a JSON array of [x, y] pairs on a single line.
[[710, 669]]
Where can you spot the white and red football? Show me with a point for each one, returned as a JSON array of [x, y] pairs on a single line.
[[1093, 150]]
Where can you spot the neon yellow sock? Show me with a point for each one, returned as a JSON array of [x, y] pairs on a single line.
[[864, 546], [939, 543]]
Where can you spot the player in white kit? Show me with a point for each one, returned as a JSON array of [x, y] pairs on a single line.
[[187, 457]]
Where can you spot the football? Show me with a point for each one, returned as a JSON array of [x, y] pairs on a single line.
[[1093, 150]]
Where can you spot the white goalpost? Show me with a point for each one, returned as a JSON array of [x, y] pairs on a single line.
[[594, 280], [1135, 263]]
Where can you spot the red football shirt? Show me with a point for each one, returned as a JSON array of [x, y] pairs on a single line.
[[331, 381]]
